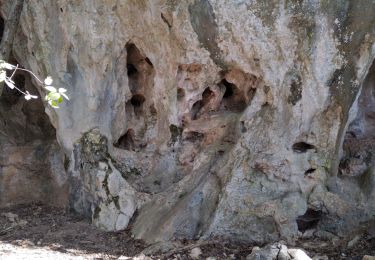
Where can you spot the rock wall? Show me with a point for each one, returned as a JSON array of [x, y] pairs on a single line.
[[207, 118]]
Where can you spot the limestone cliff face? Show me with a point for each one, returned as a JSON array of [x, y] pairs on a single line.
[[209, 118]]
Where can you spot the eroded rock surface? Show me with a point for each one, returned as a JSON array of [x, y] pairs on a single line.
[[210, 118]]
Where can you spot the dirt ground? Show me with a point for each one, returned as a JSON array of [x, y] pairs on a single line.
[[28, 232]]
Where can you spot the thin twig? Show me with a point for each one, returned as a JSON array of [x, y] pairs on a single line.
[[14, 72], [41, 82]]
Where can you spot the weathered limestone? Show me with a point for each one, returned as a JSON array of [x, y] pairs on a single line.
[[210, 118]]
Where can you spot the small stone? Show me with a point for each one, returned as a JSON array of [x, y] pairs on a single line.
[[211, 258], [255, 248], [103, 166], [283, 253], [195, 253], [142, 257], [298, 254], [308, 233], [11, 216], [124, 258], [22, 222], [354, 241], [368, 257]]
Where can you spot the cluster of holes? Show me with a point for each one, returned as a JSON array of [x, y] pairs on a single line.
[[139, 70], [309, 220], [302, 147], [233, 99]]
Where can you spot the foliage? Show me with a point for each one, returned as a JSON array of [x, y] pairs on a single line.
[[54, 97]]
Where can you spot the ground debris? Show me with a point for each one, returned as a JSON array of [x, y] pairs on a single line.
[[41, 232]]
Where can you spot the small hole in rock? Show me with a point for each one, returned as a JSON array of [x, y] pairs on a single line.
[[194, 136], [126, 141], [309, 220], [243, 127], [180, 94], [61, 10], [309, 171], [302, 147], [132, 71], [137, 100], [229, 88]]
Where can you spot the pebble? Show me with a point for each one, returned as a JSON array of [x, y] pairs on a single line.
[[354, 241], [195, 253]]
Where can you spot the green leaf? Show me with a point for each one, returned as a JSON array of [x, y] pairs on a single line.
[[65, 96], [60, 100], [54, 96], [53, 103]]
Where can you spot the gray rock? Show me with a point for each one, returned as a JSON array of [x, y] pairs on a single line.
[[233, 131]]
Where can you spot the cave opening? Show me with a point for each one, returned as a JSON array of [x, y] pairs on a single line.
[[137, 100], [309, 220], [234, 99], [27, 133]]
